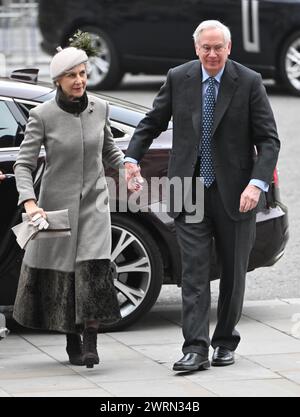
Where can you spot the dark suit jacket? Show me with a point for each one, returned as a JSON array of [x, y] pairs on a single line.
[[243, 121]]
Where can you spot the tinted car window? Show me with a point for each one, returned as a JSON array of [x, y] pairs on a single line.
[[10, 132], [25, 108], [119, 131]]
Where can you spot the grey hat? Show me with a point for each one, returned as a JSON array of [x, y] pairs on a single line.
[[66, 59]]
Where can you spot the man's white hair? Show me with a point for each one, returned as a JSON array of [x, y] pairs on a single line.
[[212, 24]]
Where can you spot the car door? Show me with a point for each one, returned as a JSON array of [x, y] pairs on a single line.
[[10, 135], [241, 16], [163, 29], [12, 128]]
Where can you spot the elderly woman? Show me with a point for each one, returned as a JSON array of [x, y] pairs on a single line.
[[66, 283]]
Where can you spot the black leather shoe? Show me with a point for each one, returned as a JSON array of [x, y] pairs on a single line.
[[192, 362], [222, 357]]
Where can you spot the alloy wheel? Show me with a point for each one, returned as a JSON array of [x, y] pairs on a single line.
[[131, 269], [292, 64], [99, 65]]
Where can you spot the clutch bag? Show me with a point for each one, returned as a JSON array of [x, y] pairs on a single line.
[[59, 226]]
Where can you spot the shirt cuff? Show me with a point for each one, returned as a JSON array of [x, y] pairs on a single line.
[[260, 184], [131, 160]]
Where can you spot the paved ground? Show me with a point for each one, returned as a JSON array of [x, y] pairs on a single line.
[[138, 362]]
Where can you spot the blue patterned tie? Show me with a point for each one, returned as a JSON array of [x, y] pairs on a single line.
[[206, 163]]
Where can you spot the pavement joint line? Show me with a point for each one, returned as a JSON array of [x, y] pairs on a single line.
[[268, 301], [271, 327], [87, 376], [41, 350], [169, 320], [8, 393], [132, 348], [250, 359], [288, 379], [178, 375], [186, 374]]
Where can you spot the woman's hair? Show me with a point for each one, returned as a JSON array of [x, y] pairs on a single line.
[[212, 24], [87, 68]]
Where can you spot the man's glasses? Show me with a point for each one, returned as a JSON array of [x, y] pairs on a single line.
[[206, 49]]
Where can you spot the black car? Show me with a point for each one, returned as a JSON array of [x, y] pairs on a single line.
[[145, 252], [140, 36]]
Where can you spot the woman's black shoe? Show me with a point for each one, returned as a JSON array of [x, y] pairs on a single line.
[[74, 349], [90, 354]]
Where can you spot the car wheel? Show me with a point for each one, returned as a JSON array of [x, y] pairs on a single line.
[[137, 269], [105, 71], [290, 63]]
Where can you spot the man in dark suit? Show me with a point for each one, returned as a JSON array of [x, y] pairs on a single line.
[[224, 132]]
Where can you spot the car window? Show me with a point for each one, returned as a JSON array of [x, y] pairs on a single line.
[[11, 133], [25, 108], [120, 131]]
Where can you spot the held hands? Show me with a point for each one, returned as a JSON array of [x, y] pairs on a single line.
[[249, 198], [133, 177], [36, 214]]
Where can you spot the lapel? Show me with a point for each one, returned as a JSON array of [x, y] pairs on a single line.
[[193, 84], [226, 91], [193, 91]]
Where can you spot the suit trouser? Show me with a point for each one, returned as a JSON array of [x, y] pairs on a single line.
[[234, 241]]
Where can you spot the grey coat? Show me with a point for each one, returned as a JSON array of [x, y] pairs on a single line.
[[74, 179]]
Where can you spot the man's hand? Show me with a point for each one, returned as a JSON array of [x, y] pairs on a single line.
[[249, 198], [133, 176], [2, 176]]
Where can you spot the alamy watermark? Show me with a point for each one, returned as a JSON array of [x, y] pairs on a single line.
[[158, 194]]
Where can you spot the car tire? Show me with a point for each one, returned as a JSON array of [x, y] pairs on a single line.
[[105, 69], [139, 285], [289, 63]]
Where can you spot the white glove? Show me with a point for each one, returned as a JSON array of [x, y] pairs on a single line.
[[39, 222]]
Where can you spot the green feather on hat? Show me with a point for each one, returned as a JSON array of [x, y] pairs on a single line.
[[83, 40]]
